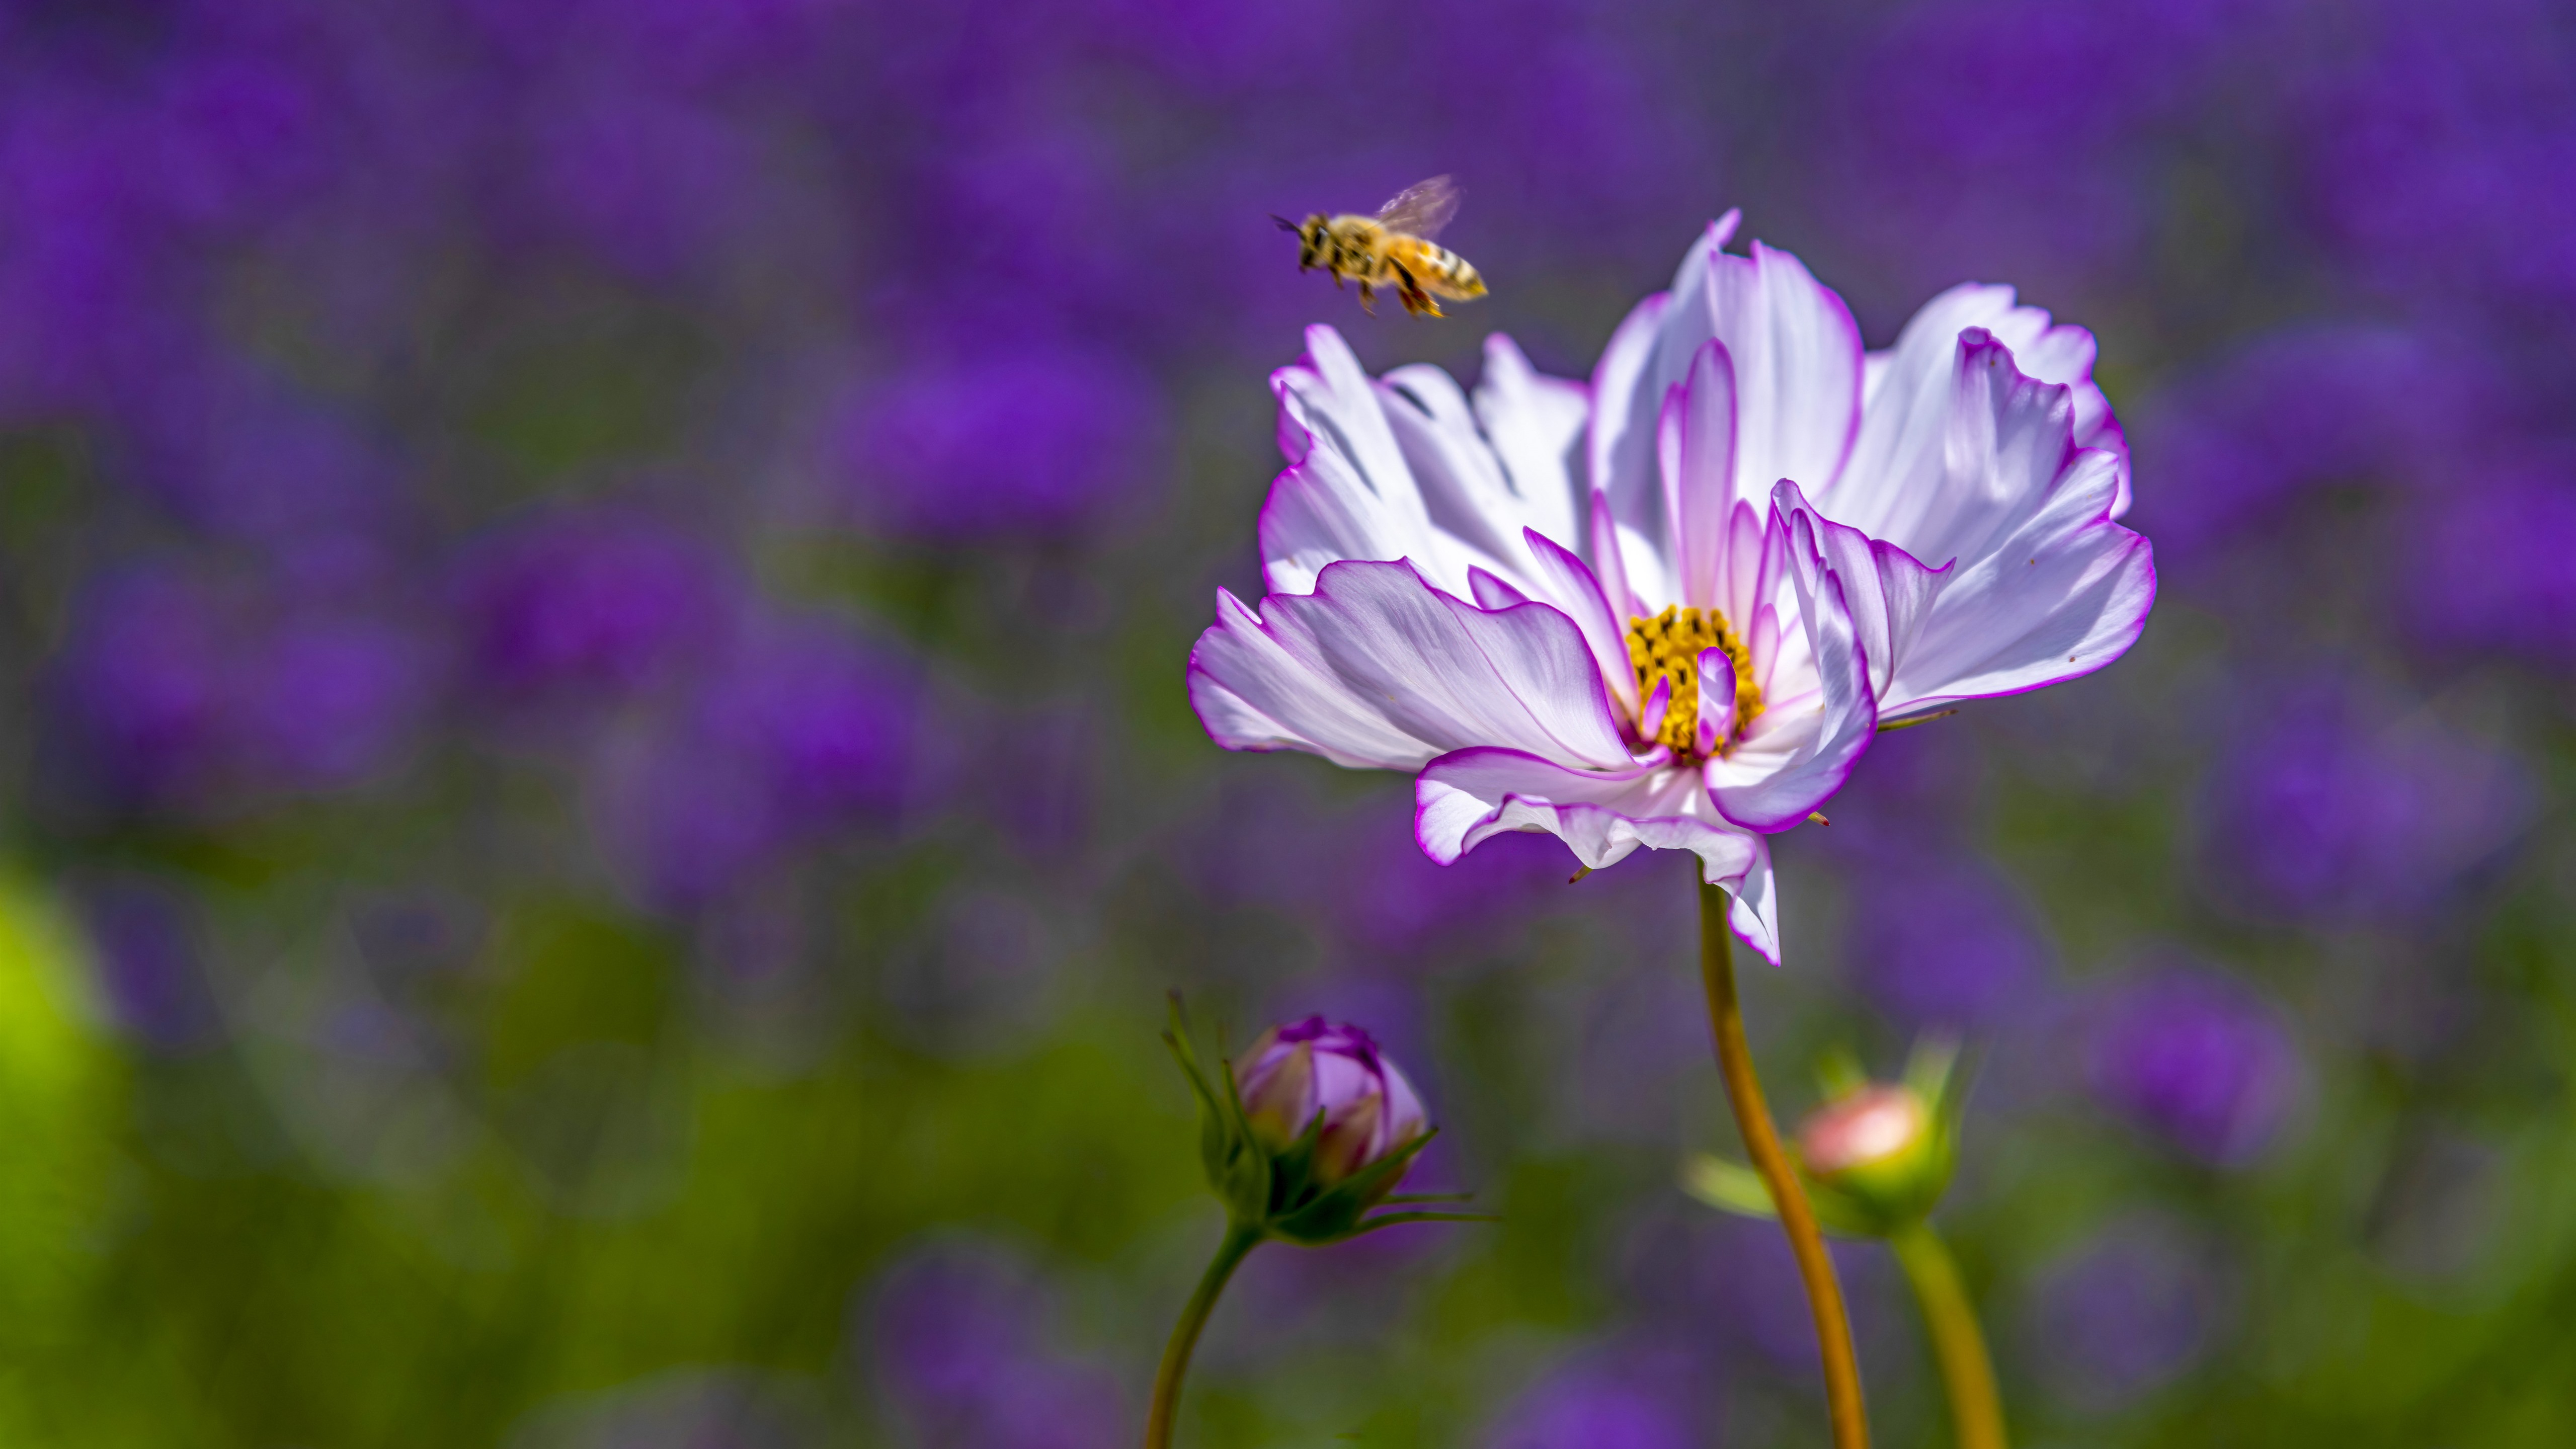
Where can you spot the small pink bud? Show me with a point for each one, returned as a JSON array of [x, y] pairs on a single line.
[[1869, 1126]]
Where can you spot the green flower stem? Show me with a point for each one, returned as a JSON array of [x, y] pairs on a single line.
[[1976, 1410], [1762, 1144], [1240, 1240]]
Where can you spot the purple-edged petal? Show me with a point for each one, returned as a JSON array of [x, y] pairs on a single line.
[[1889, 591], [2046, 586], [1801, 748], [1905, 419], [1252, 693], [1567, 582], [1491, 592], [1629, 383], [1716, 699], [1630, 525], [1695, 448], [1797, 362], [1347, 492], [1466, 798], [1376, 667]]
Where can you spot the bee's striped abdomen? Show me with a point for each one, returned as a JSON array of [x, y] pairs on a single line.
[[1436, 268]]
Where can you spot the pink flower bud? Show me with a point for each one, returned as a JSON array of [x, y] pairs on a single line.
[[1306, 1069], [1870, 1125]]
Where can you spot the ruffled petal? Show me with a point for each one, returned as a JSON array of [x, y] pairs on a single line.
[[1789, 407], [1466, 798], [1378, 668], [1464, 489], [1252, 693], [1802, 747], [1888, 590], [1905, 419], [1536, 424], [2047, 587], [1403, 467], [1347, 493]]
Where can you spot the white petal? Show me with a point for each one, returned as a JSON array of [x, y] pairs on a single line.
[[1695, 448], [1252, 693], [2047, 587], [1376, 667], [1905, 422], [1536, 424], [1349, 492], [1464, 488], [1802, 748], [1466, 798], [1627, 495], [1568, 583], [1493, 593], [1888, 590], [1797, 358]]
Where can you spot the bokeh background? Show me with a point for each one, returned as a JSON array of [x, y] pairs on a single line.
[[599, 804]]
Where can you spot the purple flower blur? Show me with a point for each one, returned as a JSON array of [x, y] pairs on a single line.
[[151, 971], [1033, 442], [140, 686], [1599, 1406], [2334, 808], [959, 1351], [589, 607], [2494, 567], [2196, 1059], [1939, 940], [2258, 433], [2127, 1313], [802, 730]]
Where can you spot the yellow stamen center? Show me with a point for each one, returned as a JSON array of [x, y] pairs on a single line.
[[1667, 647]]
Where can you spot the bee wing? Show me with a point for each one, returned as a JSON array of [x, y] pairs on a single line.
[[1422, 208]]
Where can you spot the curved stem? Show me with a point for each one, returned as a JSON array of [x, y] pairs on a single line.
[[1239, 1242], [1762, 1144], [1976, 1410]]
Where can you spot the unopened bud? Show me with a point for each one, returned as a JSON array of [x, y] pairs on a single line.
[[1308, 1075], [1882, 1147]]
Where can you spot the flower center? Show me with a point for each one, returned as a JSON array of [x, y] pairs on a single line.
[[1667, 647]]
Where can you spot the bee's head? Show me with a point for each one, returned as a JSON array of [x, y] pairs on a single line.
[[1310, 238]]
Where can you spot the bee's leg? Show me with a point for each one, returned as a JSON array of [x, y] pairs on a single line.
[[1417, 302], [1368, 299]]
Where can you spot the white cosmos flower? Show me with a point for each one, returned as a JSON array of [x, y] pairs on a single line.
[[1672, 608]]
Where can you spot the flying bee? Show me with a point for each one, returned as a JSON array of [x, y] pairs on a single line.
[[1392, 249]]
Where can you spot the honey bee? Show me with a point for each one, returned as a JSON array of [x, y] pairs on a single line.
[[1392, 249]]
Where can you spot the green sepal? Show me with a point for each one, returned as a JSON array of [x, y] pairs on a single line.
[[1238, 1171], [1391, 1220], [1735, 1188], [1331, 1214], [1839, 1073]]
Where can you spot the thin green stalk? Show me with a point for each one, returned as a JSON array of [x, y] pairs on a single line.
[[1762, 1143], [1240, 1240], [1976, 1410]]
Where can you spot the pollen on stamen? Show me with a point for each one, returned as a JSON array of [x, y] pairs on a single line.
[[1667, 647]]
